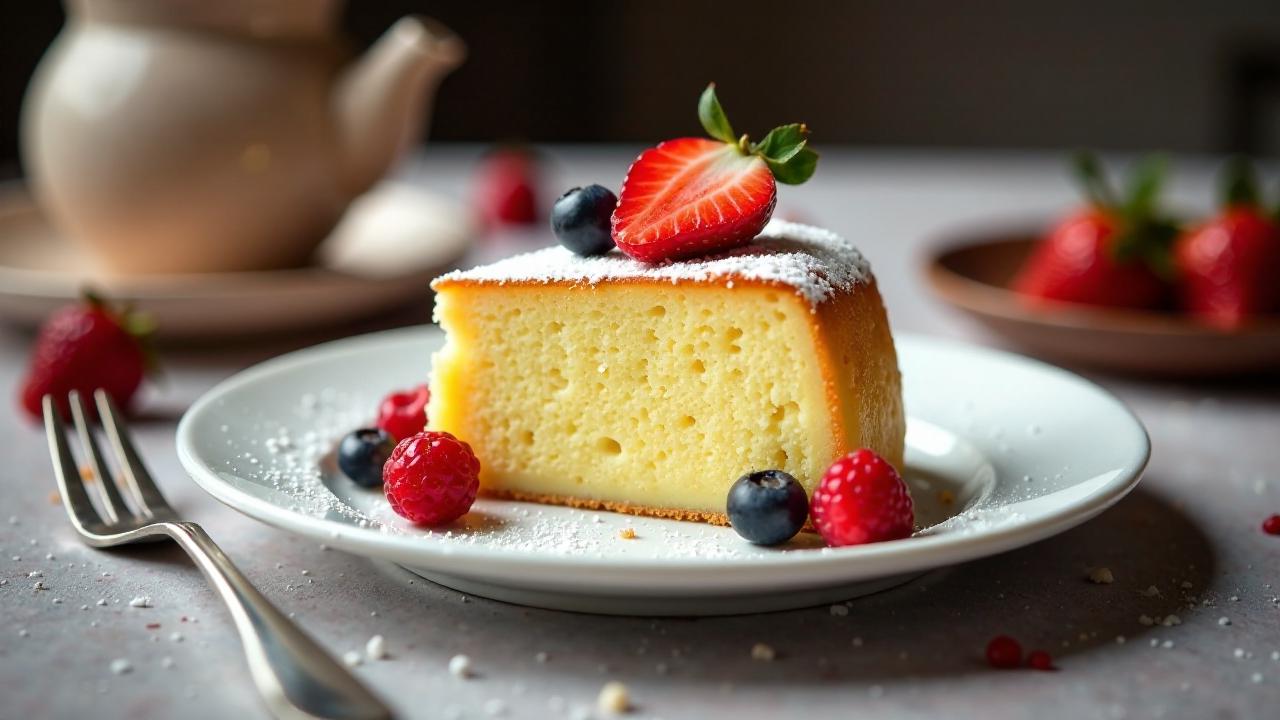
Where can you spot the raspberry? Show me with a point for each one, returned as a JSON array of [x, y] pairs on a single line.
[[431, 478], [862, 499], [1271, 525], [404, 413], [1004, 652], [1039, 660]]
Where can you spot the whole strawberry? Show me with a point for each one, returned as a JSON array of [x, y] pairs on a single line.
[[692, 196], [862, 499], [84, 347], [505, 187], [431, 478], [1111, 253], [1228, 265]]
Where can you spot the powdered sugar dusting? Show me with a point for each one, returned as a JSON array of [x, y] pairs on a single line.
[[818, 264]]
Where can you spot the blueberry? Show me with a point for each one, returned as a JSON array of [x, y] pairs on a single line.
[[581, 217], [767, 507], [362, 453]]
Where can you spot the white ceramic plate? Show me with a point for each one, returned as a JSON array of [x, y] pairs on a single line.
[[392, 241], [1002, 451]]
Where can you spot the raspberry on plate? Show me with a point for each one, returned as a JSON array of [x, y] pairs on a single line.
[[862, 499], [404, 413], [431, 478]]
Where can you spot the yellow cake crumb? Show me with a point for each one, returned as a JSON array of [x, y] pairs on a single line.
[[627, 533], [1101, 576], [761, 651], [614, 699]]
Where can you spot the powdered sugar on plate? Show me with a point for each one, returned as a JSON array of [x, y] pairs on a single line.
[[816, 263], [292, 454]]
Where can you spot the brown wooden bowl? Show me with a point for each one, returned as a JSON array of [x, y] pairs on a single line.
[[972, 272]]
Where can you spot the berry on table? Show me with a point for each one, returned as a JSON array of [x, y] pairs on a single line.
[[506, 187], [862, 499], [580, 220], [404, 412], [767, 507], [431, 478], [1004, 652], [362, 453], [1040, 660], [84, 347], [1271, 525]]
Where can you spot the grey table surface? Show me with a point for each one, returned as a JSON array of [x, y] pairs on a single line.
[[1191, 530]]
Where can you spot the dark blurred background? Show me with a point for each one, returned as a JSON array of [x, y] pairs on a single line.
[[1180, 76]]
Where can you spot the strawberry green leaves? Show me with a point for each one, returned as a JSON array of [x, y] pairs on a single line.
[[784, 149], [714, 121], [1144, 234], [1239, 184]]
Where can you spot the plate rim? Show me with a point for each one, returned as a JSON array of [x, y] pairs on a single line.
[[872, 560]]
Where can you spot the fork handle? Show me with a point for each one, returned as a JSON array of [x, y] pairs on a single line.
[[295, 676]]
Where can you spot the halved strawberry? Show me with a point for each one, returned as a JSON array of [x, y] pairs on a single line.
[[692, 196]]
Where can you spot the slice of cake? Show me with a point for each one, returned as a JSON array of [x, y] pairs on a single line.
[[606, 382]]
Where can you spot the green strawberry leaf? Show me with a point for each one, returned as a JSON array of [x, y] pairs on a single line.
[[1144, 188], [785, 149], [796, 169], [782, 143], [714, 121], [1088, 172], [1239, 183]]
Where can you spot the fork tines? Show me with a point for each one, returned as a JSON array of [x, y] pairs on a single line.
[[130, 478]]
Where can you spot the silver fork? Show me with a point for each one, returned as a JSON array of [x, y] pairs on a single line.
[[294, 675]]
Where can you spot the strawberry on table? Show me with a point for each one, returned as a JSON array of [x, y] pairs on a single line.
[[1112, 252], [1228, 265], [505, 188], [692, 196], [84, 347]]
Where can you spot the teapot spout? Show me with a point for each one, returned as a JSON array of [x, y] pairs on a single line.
[[382, 100]]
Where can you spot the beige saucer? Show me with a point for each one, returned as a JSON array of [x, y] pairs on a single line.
[[971, 272], [391, 243]]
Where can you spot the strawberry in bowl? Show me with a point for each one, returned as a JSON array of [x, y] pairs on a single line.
[[693, 196], [1113, 252], [1227, 265]]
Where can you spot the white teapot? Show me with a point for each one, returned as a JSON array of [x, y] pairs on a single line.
[[173, 136]]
